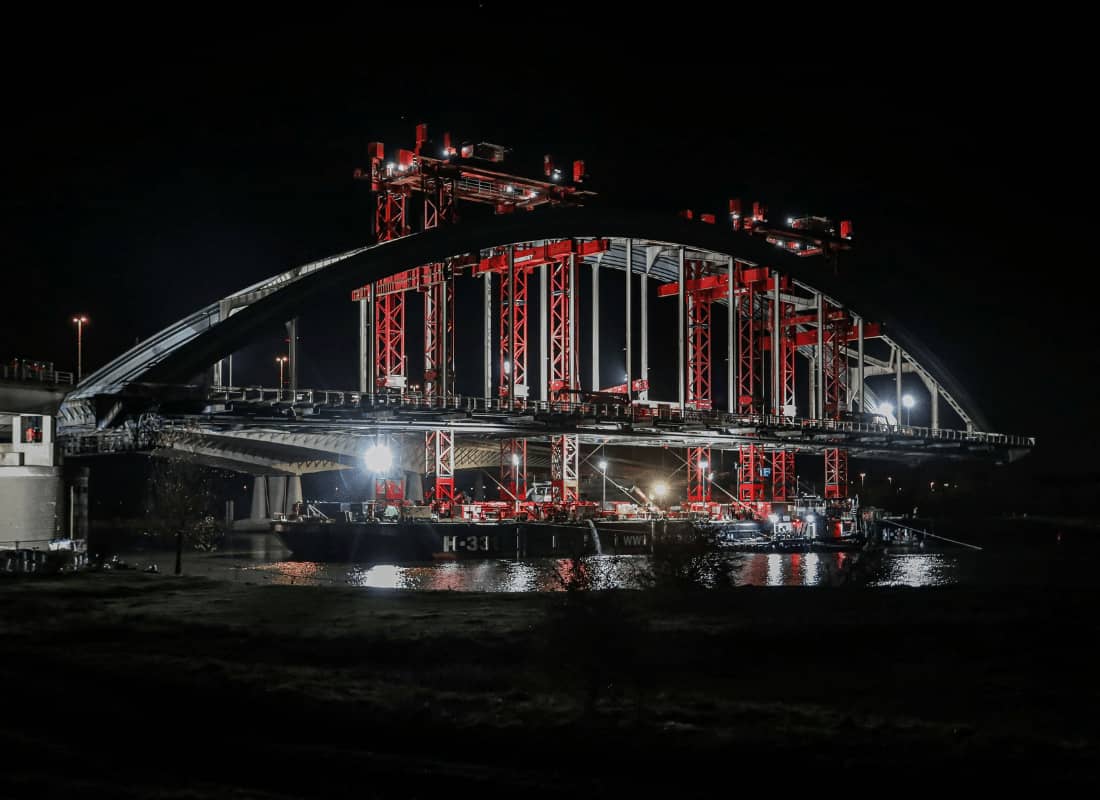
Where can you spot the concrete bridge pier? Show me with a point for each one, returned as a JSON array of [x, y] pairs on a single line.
[[293, 492], [258, 512], [276, 494]]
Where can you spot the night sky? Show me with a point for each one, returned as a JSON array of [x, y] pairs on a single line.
[[147, 175]]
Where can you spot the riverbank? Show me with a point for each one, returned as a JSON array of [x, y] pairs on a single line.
[[135, 685]]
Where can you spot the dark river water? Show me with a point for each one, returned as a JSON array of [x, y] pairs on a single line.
[[1012, 554]]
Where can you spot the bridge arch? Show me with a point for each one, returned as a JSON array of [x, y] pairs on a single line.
[[191, 345]]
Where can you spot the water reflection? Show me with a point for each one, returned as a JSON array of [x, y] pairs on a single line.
[[606, 572], [1012, 558], [915, 569]]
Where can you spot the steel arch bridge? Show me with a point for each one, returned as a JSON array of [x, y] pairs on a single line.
[[786, 317]]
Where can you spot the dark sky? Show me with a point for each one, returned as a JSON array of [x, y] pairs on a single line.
[[146, 175]]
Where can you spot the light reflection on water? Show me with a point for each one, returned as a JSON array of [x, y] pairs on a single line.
[[604, 572]]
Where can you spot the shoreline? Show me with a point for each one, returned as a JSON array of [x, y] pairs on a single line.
[[494, 692]]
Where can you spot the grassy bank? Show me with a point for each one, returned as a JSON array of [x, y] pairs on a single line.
[[197, 688]]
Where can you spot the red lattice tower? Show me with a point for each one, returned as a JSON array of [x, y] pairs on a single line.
[[439, 294], [564, 448], [698, 321], [784, 478], [513, 333], [837, 326], [698, 466], [440, 458], [513, 469], [750, 380]]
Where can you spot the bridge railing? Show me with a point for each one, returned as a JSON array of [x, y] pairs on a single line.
[[25, 373], [656, 414]]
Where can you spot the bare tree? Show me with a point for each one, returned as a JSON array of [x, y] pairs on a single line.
[[181, 495]]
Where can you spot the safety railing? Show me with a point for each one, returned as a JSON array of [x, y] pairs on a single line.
[[656, 414], [29, 374]]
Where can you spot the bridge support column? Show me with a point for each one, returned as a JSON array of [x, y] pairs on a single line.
[[643, 310], [731, 340], [366, 357], [258, 512], [292, 352], [934, 405], [811, 383], [487, 306], [596, 326], [276, 494], [897, 383], [629, 315], [544, 328], [293, 492], [860, 367]]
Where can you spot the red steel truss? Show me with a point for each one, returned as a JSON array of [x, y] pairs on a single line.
[[751, 486], [564, 468], [513, 469], [389, 341], [698, 467], [564, 449], [837, 326], [698, 321], [440, 458], [513, 332], [784, 481]]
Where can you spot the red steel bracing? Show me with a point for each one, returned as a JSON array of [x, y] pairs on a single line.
[[751, 486], [439, 290], [513, 469], [513, 333], [389, 341], [564, 468], [749, 379], [835, 397], [390, 221], [698, 321], [439, 208], [698, 466], [561, 344], [784, 481], [564, 449], [440, 458]]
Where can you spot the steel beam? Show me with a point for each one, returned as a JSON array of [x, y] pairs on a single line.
[[731, 339], [292, 352], [596, 324], [629, 314], [820, 356], [487, 299], [777, 355], [643, 310], [680, 327], [862, 364], [897, 382], [544, 353]]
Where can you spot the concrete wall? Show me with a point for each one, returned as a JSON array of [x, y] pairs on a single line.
[[33, 506]]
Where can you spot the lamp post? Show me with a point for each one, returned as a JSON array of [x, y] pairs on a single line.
[[282, 361], [908, 402], [80, 321], [515, 480], [603, 469]]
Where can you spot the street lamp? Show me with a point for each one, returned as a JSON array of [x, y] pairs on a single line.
[[80, 321], [281, 360], [515, 481], [603, 469], [862, 476], [908, 402]]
